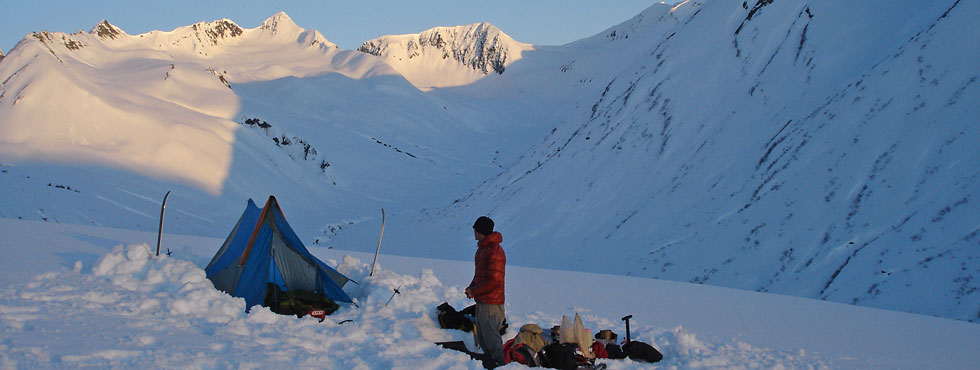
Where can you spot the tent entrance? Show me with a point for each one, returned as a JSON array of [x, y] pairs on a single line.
[[264, 262]]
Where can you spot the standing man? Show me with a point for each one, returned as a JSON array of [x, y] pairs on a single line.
[[487, 289]]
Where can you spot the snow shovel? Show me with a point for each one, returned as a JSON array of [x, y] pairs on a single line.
[[627, 319]]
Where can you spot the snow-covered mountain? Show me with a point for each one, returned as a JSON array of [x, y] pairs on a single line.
[[448, 56], [821, 149], [219, 113], [818, 149]]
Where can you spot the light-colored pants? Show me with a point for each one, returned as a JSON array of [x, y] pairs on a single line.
[[489, 319]]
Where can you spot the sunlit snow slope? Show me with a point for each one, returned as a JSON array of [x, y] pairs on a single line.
[[95, 127]]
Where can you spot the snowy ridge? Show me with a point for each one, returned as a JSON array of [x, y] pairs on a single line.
[[784, 160], [643, 25], [103, 122], [448, 56], [202, 38], [283, 27]]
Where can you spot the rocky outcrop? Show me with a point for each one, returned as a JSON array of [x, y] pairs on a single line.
[[106, 30], [212, 33], [481, 47]]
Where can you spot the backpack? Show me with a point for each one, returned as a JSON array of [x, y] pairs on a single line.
[[599, 350], [605, 345], [563, 356], [639, 351], [298, 302], [614, 351], [520, 353], [471, 312], [449, 318]]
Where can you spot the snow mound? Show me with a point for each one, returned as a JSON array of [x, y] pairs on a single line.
[[132, 308]]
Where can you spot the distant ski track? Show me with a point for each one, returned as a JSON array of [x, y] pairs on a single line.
[[125, 207]]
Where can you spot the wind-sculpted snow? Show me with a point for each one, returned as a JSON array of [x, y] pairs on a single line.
[[132, 308], [98, 297]]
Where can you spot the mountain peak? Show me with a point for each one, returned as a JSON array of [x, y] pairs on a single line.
[[106, 30], [476, 50], [219, 29], [279, 22]]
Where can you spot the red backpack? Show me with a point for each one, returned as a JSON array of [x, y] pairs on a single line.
[[599, 350], [520, 353]]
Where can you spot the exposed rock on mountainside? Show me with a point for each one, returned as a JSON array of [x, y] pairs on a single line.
[[481, 48], [296, 147], [477, 46], [106, 30], [216, 31]]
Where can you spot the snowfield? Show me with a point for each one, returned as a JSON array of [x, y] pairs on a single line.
[[98, 297]]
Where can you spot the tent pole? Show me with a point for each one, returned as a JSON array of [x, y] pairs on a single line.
[[163, 207], [378, 251]]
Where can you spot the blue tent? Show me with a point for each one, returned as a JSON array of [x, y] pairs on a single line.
[[263, 249]]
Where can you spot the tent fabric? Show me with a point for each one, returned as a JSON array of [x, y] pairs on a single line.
[[217, 269], [261, 249]]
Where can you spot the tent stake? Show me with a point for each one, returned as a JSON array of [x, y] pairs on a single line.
[[163, 207], [378, 251], [393, 295]]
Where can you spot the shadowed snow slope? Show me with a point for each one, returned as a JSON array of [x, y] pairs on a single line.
[[824, 149]]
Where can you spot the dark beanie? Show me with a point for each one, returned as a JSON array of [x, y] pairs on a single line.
[[483, 225]]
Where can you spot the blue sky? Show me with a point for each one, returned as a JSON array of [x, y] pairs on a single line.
[[346, 23]]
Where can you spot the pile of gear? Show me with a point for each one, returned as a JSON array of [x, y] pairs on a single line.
[[566, 346], [298, 302]]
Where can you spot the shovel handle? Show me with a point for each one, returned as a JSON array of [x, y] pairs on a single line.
[[627, 319]]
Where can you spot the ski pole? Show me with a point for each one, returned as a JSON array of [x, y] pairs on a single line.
[[378, 251]]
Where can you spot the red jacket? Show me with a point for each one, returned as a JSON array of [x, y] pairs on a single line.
[[488, 277]]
